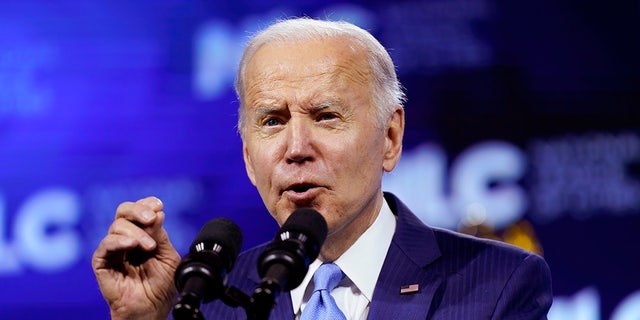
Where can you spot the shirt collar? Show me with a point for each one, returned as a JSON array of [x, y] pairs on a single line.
[[362, 262]]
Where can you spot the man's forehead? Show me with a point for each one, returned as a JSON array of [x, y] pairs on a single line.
[[307, 58], [322, 49]]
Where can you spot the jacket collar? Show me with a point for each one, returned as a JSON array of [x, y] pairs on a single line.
[[416, 239], [405, 289]]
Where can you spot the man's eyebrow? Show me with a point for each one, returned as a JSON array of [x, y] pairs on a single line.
[[325, 105], [266, 110]]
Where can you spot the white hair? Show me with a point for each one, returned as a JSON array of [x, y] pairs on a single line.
[[386, 90]]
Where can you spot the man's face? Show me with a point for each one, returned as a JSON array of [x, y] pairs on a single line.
[[311, 139]]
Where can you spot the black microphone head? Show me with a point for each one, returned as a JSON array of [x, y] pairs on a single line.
[[212, 254], [222, 231], [285, 261], [307, 221]]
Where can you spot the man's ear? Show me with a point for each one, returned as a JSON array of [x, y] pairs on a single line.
[[393, 139], [248, 165]]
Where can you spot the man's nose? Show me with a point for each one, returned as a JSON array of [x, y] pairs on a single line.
[[299, 141]]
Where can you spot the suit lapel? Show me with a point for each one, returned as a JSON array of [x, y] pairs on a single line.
[[388, 301], [412, 249]]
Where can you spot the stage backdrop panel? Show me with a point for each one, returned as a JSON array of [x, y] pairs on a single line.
[[522, 125]]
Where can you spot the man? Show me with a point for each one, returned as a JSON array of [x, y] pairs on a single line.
[[321, 120]]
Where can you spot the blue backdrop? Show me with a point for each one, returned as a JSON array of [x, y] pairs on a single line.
[[523, 124]]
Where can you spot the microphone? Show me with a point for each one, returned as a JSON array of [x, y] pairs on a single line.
[[200, 274], [285, 261]]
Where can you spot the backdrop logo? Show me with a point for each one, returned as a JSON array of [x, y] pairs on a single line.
[[585, 174], [45, 237], [482, 184], [577, 174], [217, 48], [55, 228], [585, 305]]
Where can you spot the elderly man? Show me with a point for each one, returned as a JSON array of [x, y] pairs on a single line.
[[321, 120]]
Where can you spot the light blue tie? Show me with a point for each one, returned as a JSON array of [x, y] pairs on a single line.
[[321, 305]]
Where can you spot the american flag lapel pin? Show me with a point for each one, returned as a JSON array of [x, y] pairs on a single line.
[[412, 288]]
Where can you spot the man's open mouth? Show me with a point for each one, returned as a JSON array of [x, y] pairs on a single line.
[[300, 188]]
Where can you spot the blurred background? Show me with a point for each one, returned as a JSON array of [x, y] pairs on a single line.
[[523, 124]]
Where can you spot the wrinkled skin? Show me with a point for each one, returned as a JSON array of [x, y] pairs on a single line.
[[311, 137], [135, 262]]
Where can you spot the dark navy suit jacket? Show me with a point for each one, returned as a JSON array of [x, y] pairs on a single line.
[[458, 277]]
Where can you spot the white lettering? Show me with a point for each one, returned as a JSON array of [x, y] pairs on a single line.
[[583, 174], [44, 230], [484, 184], [215, 59], [629, 308], [9, 262], [419, 181], [584, 305]]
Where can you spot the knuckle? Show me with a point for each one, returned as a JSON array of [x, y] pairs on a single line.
[[151, 202]]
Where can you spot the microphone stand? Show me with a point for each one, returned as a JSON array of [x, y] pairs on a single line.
[[257, 307], [264, 299]]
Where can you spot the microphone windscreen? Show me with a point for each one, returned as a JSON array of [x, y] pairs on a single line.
[[222, 231], [309, 222]]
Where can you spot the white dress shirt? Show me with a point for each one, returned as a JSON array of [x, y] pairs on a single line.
[[361, 264]]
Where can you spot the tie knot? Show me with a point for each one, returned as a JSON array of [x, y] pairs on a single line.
[[327, 277]]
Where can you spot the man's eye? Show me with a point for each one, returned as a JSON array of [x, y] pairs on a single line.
[[271, 122], [327, 116]]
